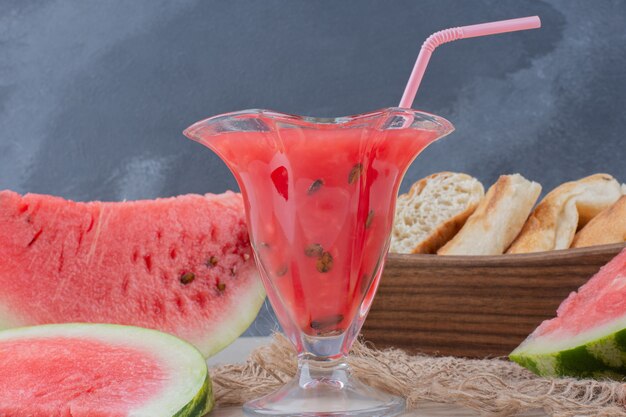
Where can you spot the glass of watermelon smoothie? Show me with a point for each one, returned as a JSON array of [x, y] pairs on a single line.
[[320, 195]]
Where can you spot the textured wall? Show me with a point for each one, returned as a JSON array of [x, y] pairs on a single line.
[[94, 94]]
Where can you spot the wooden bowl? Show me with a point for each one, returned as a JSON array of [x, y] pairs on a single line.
[[474, 306]]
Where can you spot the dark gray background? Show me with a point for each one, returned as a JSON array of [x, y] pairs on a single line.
[[94, 94]]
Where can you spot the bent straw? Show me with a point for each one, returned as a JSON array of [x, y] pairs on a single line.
[[452, 34]]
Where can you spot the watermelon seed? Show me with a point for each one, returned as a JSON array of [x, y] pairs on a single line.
[[81, 234], [93, 220], [324, 262], [34, 239], [187, 278], [370, 217], [147, 259], [282, 271], [327, 322], [125, 283], [317, 184], [211, 262], [355, 173], [221, 286], [233, 271], [314, 250], [246, 256], [61, 259]]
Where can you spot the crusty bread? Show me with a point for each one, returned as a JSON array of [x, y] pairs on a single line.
[[498, 218], [607, 227], [568, 207], [433, 211]]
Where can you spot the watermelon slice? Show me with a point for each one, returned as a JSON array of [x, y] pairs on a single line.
[[181, 265], [588, 336], [100, 370]]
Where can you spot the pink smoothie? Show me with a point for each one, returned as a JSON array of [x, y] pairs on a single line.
[[321, 205]]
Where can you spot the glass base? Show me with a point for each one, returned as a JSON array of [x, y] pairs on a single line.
[[325, 389]]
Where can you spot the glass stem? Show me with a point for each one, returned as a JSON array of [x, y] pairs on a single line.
[[314, 372]]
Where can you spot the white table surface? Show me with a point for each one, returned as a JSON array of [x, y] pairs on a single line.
[[239, 350]]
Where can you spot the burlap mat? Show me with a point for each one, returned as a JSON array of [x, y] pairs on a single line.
[[495, 387]]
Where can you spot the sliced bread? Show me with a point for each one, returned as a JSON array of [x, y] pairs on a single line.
[[497, 220], [433, 211], [607, 227], [565, 209]]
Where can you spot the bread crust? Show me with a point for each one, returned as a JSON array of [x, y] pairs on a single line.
[[497, 220], [444, 232], [446, 229], [607, 227], [554, 222]]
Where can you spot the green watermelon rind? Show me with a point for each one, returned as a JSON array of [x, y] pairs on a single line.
[[603, 357], [201, 404], [193, 377]]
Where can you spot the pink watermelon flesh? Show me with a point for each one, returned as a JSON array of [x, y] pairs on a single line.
[[601, 300], [85, 378], [181, 265]]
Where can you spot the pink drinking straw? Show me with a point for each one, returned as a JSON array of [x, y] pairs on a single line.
[[452, 34]]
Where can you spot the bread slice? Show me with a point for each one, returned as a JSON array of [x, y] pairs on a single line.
[[568, 207], [433, 211], [607, 227], [498, 218]]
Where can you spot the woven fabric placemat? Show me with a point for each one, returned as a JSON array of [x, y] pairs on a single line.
[[494, 387]]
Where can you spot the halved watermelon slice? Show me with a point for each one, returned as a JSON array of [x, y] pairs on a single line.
[[181, 265], [588, 336], [100, 370]]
